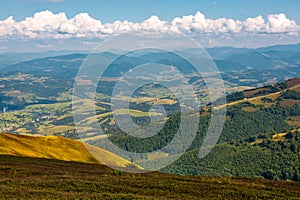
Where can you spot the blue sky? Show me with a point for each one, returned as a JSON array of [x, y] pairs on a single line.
[[36, 25], [137, 10]]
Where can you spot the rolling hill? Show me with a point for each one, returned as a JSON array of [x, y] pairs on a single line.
[[260, 137], [55, 147], [26, 81], [261, 127]]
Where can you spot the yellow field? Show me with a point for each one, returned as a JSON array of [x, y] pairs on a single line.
[[60, 148], [276, 137], [93, 138], [166, 101], [280, 136]]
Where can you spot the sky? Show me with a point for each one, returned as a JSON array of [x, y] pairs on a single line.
[[36, 25]]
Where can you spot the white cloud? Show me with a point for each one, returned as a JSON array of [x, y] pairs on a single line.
[[154, 23], [7, 27], [46, 24], [256, 24], [280, 23]]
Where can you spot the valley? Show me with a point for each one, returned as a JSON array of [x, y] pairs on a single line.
[[261, 125], [149, 100]]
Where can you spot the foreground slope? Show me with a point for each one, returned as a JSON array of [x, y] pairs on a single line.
[[54, 147], [31, 178]]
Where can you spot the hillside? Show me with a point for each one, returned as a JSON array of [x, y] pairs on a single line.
[[36, 94], [261, 126], [54, 147], [260, 138], [32, 178], [272, 91]]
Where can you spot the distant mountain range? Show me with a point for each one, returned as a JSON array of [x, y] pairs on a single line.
[[7, 59]]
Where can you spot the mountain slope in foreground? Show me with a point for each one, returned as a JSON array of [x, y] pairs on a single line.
[[33, 178], [55, 147]]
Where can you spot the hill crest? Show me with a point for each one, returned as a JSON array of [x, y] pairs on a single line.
[[57, 147]]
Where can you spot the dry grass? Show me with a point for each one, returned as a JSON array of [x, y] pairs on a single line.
[[293, 82], [289, 102], [55, 147], [166, 101], [249, 109], [51, 129], [280, 136]]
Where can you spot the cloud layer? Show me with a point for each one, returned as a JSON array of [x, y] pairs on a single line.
[[46, 24]]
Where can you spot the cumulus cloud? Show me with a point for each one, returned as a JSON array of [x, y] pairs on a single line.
[[256, 24], [280, 23], [8, 27], [46, 24]]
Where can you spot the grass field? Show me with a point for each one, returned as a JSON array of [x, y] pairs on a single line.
[[53, 147], [29, 178]]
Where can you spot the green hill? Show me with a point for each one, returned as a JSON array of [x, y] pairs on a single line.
[[260, 137]]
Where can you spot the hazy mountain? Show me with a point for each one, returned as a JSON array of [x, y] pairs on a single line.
[[7, 59]]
